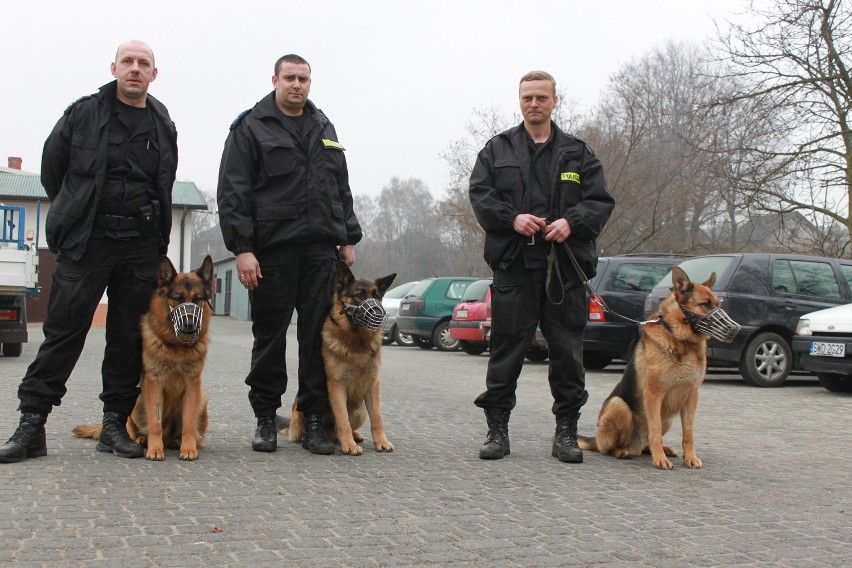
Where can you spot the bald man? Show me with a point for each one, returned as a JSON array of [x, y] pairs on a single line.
[[108, 167]]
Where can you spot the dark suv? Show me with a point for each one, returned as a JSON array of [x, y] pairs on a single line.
[[623, 282], [425, 312], [765, 293]]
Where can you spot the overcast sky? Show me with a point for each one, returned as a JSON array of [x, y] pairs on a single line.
[[398, 79]]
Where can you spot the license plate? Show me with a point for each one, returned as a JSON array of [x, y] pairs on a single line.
[[461, 314], [821, 349]]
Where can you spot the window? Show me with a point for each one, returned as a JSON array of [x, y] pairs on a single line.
[[456, 289], [805, 278], [638, 277]]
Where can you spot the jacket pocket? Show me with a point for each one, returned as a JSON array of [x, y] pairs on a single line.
[[273, 221], [507, 176], [279, 159], [82, 155]]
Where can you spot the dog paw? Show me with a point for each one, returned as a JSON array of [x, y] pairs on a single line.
[[357, 437], [155, 454], [189, 454], [141, 439], [383, 446], [670, 451], [693, 462], [662, 463], [621, 453], [352, 449]]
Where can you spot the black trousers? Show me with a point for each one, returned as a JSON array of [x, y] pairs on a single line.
[[299, 276], [518, 304], [127, 270]]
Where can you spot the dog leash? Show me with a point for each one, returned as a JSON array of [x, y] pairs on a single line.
[[553, 262]]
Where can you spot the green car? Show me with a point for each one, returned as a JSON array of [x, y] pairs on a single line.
[[425, 312]]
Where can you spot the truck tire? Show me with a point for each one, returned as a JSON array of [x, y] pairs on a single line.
[[12, 349]]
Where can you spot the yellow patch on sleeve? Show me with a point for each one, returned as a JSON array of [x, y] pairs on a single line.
[[570, 176], [332, 144]]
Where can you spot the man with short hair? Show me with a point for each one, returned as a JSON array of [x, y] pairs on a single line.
[[108, 168], [536, 191], [285, 209]]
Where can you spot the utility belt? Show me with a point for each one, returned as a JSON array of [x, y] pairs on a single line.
[[124, 227]]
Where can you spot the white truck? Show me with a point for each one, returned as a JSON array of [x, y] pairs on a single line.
[[18, 279]]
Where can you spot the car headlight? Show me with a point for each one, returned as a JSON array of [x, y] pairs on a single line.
[[804, 327]]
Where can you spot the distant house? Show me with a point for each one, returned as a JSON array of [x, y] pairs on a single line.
[[22, 188]]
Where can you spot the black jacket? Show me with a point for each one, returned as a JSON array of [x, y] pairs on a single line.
[[278, 188], [578, 193], [73, 170]]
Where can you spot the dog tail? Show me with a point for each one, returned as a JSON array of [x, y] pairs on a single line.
[[88, 431], [282, 422], [587, 443]]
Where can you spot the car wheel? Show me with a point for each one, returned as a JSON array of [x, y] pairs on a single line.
[[422, 342], [536, 354], [835, 382], [12, 349], [766, 361], [389, 339], [442, 339], [596, 361], [401, 338], [473, 348]]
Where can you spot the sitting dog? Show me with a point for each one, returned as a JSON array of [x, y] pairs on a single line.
[[171, 411], [351, 353], [663, 377]]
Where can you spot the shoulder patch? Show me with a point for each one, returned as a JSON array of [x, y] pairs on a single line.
[[239, 118], [332, 144], [83, 98]]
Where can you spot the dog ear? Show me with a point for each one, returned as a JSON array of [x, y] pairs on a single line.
[[384, 283], [165, 271], [680, 281], [710, 281], [206, 270], [344, 275]]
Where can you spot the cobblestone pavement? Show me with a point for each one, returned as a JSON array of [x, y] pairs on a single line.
[[774, 490]]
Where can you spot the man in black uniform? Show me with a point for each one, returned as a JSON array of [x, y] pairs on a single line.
[[285, 209], [533, 188], [108, 168]]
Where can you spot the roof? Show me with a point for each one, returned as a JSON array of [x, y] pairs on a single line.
[[27, 187]]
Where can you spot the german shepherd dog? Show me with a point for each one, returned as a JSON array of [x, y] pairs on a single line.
[[171, 411], [352, 357], [660, 381]]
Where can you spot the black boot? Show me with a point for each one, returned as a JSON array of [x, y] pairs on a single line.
[[314, 439], [266, 436], [28, 441], [496, 444], [565, 446], [115, 439]]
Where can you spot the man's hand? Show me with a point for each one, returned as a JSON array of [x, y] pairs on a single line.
[[528, 225], [347, 254], [557, 231], [248, 270]]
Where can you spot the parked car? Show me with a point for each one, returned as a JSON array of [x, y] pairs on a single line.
[[538, 346], [391, 301], [468, 314], [426, 310], [766, 293], [823, 343], [623, 282]]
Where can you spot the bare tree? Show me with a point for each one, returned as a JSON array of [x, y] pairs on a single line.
[[795, 63]]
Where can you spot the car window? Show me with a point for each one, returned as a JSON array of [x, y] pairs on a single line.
[[638, 277], [805, 278], [846, 270], [476, 291], [700, 269], [455, 291], [400, 291], [420, 288], [599, 271]]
